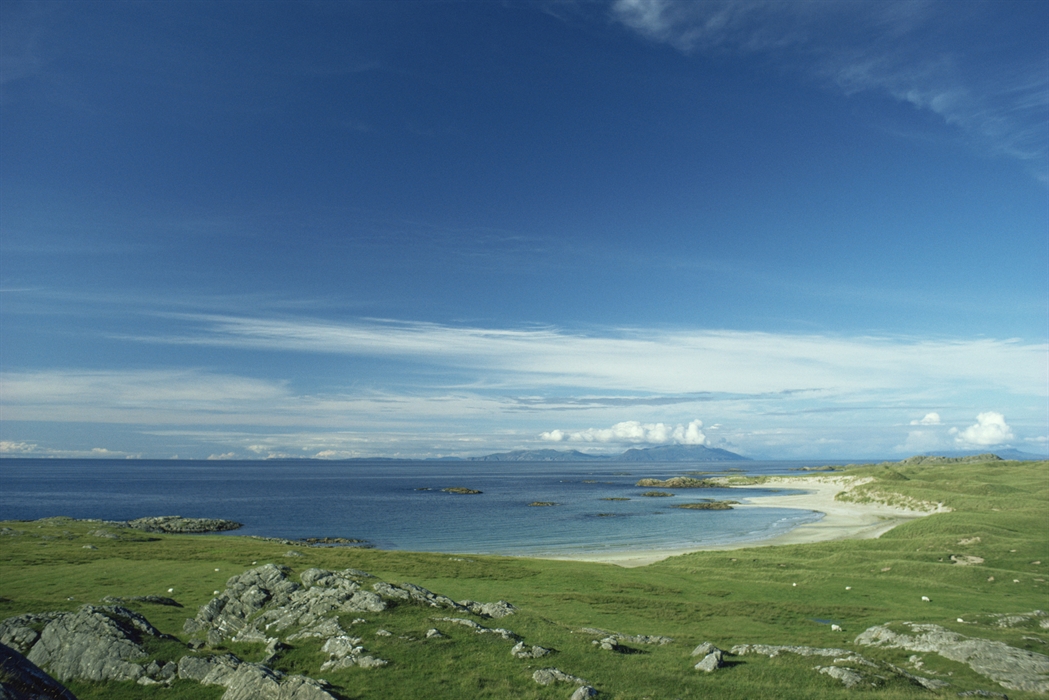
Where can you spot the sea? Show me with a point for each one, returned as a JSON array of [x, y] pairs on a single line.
[[400, 505]]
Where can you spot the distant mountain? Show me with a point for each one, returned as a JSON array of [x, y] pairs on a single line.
[[679, 453], [542, 456], [662, 453], [1008, 453]]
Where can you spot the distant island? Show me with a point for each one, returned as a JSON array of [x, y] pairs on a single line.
[[661, 453]]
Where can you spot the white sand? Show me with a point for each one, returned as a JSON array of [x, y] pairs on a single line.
[[842, 520]]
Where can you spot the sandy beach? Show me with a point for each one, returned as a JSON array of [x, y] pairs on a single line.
[[842, 520]]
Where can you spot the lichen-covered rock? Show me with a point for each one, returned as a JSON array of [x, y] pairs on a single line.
[[547, 676], [1016, 669], [345, 651], [421, 595], [704, 649], [21, 679], [209, 670], [848, 677], [480, 629], [583, 692], [94, 643]]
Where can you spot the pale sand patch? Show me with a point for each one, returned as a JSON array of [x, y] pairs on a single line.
[[842, 520]]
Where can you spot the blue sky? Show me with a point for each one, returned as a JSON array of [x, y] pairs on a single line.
[[805, 230]]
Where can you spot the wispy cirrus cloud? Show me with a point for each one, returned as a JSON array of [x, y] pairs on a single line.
[[932, 55], [664, 362]]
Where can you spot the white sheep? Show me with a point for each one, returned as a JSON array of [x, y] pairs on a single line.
[[835, 628], [925, 599]]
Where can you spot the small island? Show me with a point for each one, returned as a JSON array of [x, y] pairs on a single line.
[[657, 494], [678, 482], [460, 489], [707, 505], [543, 504]]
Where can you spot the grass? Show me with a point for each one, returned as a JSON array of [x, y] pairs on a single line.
[[765, 595]]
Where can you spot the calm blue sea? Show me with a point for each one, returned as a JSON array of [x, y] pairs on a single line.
[[384, 501]]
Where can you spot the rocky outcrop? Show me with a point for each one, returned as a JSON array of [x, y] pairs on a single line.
[[629, 638], [94, 643], [21, 679], [848, 677], [344, 651], [227, 614], [178, 524], [583, 692], [678, 482], [1016, 669], [244, 681]]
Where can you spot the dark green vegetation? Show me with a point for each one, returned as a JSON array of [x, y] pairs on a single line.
[[763, 595], [707, 505]]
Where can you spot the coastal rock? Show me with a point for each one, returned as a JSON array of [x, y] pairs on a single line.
[[421, 595], [21, 679], [94, 643], [583, 692], [629, 638], [1016, 669], [704, 649], [678, 482], [461, 490], [548, 676], [328, 627], [178, 524], [208, 670]]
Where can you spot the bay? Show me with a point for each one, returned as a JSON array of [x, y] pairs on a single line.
[[400, 504]]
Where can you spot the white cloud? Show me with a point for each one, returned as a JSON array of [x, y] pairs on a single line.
[[635, 432], [905, 50], [636, 359], [223, 456], [22, 448], [929, 419], [990, 429]]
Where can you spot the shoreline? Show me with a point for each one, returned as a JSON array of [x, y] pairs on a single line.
[[841, 520]]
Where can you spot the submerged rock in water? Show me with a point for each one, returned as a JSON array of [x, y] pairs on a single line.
[[461, 490]]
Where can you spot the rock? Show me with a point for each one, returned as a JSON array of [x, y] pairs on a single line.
[[497, 610], [328, 627], [966, 559], [678, 482], [344, 652], [388, 591], [547, 676], [245, 595], [273, 648], [421, 595], [520, 651], [209, 670], [505, 634], [848, 677], [20, 633], [461, 490], [434, 633], [711, 662], [631, 638], [583, 692], [94, 643], [178, 524], [982, 694], [21, 679], [292, 553], [704, 649], [1016, 669], [257, 682]]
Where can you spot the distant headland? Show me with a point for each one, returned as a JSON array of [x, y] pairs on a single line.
[[661, 453]]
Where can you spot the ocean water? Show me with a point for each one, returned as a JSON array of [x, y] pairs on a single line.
[[399, 504]]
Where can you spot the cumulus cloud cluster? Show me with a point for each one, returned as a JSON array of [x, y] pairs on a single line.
[[929, 419], [634, 432], [990, 429]]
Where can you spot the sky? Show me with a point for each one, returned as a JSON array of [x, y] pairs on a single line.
[[805, 230]]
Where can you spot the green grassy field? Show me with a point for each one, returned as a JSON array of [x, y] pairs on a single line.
[[761, 595]]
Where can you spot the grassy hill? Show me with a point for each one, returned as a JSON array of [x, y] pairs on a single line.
[[788, 595]]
